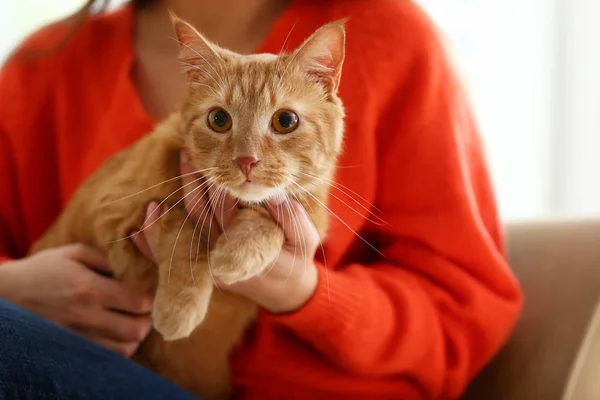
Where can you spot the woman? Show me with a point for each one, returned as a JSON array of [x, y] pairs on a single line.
[[419, 323]]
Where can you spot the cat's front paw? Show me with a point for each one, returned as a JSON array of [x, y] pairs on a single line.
[[177, 313], [232, 263]]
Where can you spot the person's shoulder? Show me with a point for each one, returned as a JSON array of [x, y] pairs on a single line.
[[393, 42], [53, 56], [402, 24], [75, 39]]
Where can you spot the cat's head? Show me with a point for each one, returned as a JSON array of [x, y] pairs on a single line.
[[263, 125]]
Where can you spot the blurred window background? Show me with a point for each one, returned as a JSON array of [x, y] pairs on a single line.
[[532, 69]]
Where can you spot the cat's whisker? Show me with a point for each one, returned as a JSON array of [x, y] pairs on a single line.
[[358, 212], [295, 220], [223, 65], [340, 219], [205, 60], [144, 226], [379, 222], [289, 62], [223, 213], [160, 183], [277, 65], [206, 204], [199, 196], [211, 218], [179, 201], [227, 73], [283, 197], [206, 73], [297, 233], [295, 239], [166, 198], [212, 89], [192, 264], [304, 245], [281, 248], [340, 166], [237, 201], [339, 187], [305, 249], [322, 251], [222, 84], [281, 189], [203, 215]]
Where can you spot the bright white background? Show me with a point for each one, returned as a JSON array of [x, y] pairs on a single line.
[[533, 71]]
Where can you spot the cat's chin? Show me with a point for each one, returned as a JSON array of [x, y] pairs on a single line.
[[251, 192]]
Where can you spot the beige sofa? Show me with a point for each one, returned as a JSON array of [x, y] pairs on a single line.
[[554, 352]]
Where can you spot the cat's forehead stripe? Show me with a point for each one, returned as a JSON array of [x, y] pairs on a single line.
[[260, 57], [256, 83]]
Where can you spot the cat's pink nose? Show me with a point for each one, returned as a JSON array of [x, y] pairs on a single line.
[[246, 164]]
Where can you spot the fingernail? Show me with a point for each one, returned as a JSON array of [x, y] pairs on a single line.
[[184, 157], [151, 208]]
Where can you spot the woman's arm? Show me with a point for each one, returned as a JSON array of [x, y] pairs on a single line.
[[443, 300], [27, 145], [9, 210], [12, 236], [58, 284]]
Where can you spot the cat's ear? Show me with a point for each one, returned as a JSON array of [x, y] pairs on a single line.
[[322, 54], [197, 55]]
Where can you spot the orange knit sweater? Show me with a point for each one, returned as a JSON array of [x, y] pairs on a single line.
[[416, 324]]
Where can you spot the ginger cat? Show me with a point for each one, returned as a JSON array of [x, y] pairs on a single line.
[[258, 126]]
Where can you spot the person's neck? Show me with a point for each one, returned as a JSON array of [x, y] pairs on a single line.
[[238, 25]]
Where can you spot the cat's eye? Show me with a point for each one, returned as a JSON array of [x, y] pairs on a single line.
[[285, 121], [219, 120]]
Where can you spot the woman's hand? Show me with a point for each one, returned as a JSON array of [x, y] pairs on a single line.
[[61, 286], [292, 279]]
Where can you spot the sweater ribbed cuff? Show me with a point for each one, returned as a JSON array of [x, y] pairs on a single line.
[[330, 312], [3, 259]]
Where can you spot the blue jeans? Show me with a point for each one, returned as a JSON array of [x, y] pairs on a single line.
[[40, 360]]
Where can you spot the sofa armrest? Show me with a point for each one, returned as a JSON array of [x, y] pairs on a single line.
[[558, 266], [584, 380]]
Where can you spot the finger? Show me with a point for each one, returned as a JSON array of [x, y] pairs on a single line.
[[119, 327], [223, 206], [194, 197], [295, 223], [205, 222], [149, 233], [124, 349], [141, 242], [214, 233], [145, 240], [115, 295], [87, 255]]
